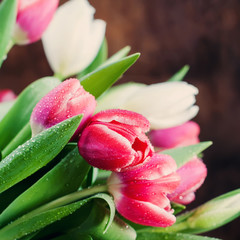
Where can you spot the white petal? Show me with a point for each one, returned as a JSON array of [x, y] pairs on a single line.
[[69, 38], [174, 120], [159, 97], [118, 95]]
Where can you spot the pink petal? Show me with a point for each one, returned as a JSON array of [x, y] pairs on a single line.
[[152, 168], [131, 119], [105, 148], [145, 213], [183, 135], [33, 17], [65, 101], [192, 176]]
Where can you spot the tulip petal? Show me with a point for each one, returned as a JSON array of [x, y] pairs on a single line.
[[192, 174], [132, 119], [182, 135], [105, 148], [33, 18], [144, 213]]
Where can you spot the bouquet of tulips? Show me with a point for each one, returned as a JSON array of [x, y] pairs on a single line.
[[81, 159]]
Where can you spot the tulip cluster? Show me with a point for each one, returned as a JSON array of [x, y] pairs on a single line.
[[115, 140]]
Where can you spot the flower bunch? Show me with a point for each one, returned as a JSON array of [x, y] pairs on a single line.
[[74, 151]]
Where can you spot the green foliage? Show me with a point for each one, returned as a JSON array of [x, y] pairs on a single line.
[[105, 76], [50, 213], [184, 154], [180, 74], [36, 153], [8, 12], [19, 115], [64, 178]]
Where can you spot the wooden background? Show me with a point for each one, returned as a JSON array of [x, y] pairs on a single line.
[[170, 34]]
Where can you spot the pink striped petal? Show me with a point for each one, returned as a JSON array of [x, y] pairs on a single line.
[[65, 101], [115, 143]]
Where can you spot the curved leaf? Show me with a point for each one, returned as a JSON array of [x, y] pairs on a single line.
[[105, 76], [64, 178], [36, 153], [39, 218]]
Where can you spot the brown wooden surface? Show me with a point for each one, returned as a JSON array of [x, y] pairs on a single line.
[[169, 34]]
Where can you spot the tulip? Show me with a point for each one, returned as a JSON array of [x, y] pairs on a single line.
[[65, 101], [179, 136], [192, 175], [73, 38], [7, 95], [115, 140], [140, 194], [165, 105], [33, 18]]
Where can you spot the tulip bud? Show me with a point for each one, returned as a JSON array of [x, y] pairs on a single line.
[[115, 140], [73, 38], [140, 193], [33, 17], [179, 136], [165, 105], [192, 174], [7, 95], [65, 101], [215, 213]]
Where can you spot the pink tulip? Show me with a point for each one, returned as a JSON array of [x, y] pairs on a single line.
[[7, 95], [33, 17], [140, 194], [192, 174], [65, 101], [179, 136], [115, 140]]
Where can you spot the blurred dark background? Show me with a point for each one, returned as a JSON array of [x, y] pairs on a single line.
[[170, 34]]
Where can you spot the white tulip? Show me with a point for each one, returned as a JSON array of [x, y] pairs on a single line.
[[73, 38], [165, 105]]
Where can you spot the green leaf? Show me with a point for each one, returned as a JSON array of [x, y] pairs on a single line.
[[64, 178], [104, 77], [180, 74], [23, 135], [177, 207], [170, 236], [8, 12], [40, 218], [119, 55], [36, 153], [5, 107], [94, 225], [99, 59], [19, 115], [184, 154]]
